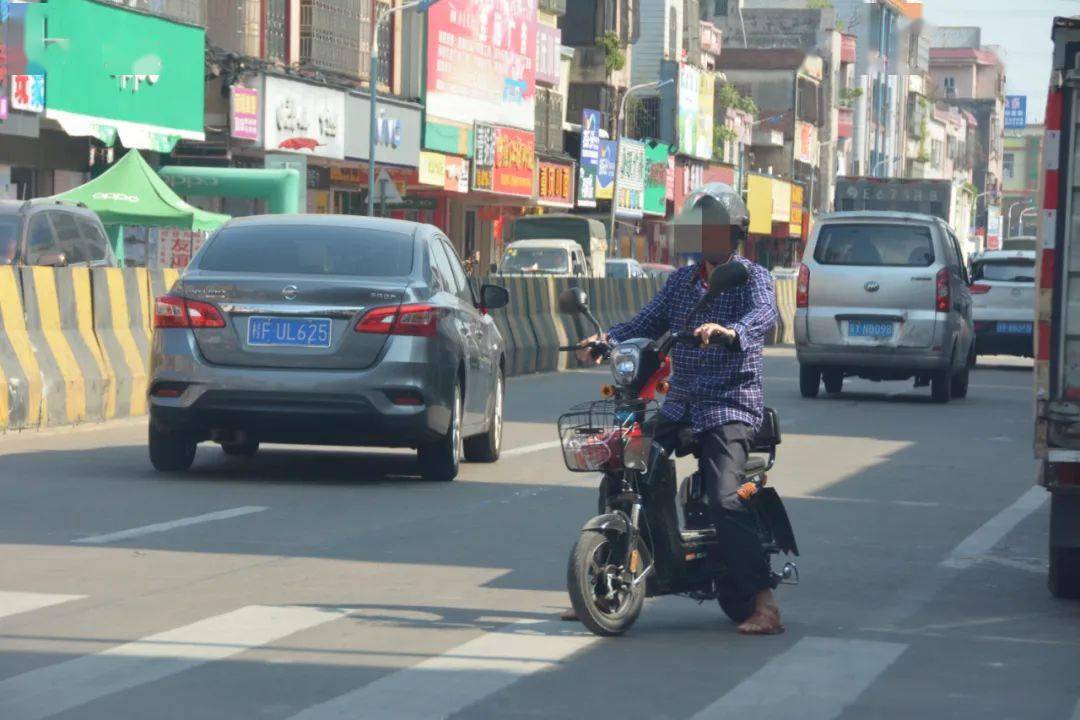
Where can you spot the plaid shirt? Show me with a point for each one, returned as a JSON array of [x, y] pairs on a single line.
[[717, 384]]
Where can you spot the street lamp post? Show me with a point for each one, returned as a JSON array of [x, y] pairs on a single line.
[[1020, 221], [975, 205], [1009, 214], [619, 117], [813, 176], [373, 129], [878, 164]]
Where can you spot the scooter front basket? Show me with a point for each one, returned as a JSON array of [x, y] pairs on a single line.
[[607, 435]]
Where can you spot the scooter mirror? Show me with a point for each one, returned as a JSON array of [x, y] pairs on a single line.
[[726, 277], [573, 301]]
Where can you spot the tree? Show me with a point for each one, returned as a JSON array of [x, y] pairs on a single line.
[[818, 5], [614, 57]]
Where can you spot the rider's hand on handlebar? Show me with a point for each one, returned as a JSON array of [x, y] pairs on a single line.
[[586, 355], [712, 331]]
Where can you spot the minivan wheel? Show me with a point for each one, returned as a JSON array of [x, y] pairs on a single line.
[[834, 381], [941, 386], [486, 448], [441, 460], [961, 380], [171, 451], [809, 380]]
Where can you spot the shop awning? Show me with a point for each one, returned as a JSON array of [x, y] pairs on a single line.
[[131, 193]]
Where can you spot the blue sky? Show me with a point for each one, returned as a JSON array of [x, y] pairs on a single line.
[[1021, 28]]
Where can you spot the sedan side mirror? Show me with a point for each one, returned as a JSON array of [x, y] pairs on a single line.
[[56, 259], [494, 297], [573, 301]]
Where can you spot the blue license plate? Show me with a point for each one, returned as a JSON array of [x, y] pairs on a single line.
[[869, 328], [288, 332], [1014, 328]]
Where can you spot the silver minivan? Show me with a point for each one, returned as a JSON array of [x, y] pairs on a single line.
[[884, 296]]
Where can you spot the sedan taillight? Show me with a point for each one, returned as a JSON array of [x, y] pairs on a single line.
[[979, 289], [177, 312], [416, 320]]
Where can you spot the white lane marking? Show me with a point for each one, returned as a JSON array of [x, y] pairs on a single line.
[[55, 688], [814, 680], [863, 501], [443, 685], [983, 540], [13, 603], [525, 450], [171, 525]]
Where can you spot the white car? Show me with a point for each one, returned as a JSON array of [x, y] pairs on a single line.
[[625, 268], [1003, 302]]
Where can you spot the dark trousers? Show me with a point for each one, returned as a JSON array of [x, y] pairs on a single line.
[[724, 451]]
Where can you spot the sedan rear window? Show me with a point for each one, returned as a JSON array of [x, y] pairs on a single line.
[[309, 250], [875, 245], [1005, 270]]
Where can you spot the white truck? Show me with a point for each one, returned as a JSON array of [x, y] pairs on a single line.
[[950, 200], [1057, 313]]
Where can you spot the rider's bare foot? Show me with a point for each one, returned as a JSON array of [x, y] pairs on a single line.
[[569, 615], [766, 617]]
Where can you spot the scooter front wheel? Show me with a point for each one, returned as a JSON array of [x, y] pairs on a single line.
[[602, 590]]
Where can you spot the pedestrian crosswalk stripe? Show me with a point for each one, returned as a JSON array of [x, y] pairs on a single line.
[[13, 603], [443, 685], [816, 679], [53, 689]]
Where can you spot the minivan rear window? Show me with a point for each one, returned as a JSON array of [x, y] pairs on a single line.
[[309, 250], [1016, 270], [874, 244]]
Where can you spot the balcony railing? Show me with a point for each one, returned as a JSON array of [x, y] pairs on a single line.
[[188, 11], [555, 7]]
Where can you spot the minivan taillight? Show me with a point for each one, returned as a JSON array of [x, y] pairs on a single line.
[[802, 288], [417, 320], [177, 312], [942, 292]]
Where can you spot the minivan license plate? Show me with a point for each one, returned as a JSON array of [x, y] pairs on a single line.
[[869, 328], [288, 332]]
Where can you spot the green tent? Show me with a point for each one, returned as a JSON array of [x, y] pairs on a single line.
[[131, 193]]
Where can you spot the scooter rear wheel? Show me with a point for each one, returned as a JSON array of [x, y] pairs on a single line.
[[604, 602]]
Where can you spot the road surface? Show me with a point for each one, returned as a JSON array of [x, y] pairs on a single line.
[[317, 584]]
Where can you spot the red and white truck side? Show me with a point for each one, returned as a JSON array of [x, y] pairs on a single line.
[[1057, 327]]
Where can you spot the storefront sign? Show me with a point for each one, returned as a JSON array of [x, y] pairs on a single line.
[[1015, 112], [397, 132], [605, 174], [806, 143], [797, 199], [631, 186], [302, 118], [555, 184], [588, 169], [448, 172], [118, 72], [695, 117], [28, 93], [656, 178], [503, 160], [481, 61], [245, 112], [548, 53], [760, 204], [176, 247], [781, 204]]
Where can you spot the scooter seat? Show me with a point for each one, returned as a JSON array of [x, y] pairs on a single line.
[[696, 536]]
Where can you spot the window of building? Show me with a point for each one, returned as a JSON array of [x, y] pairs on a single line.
[[720, 8], [1008, 165], [950, 86]]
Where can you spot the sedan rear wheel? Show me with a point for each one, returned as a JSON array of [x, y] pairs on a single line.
[[441, 460], [171, 451], [486, 448]]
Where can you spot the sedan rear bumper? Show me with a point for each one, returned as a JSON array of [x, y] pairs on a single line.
[[988, 341], [402, 401]]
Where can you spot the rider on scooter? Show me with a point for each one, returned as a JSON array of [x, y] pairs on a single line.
[[718, 393]]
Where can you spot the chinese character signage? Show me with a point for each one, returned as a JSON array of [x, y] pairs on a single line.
[[605, 173], [481, 61], [548, 53], [797, 199], [590, 158], [631, 185], [245, 113], [806, 145], [555, 184], [656, 179], [302, 118], [695, 117], [176, 247], [1015, 112], [448, 172], [503, 160], [28, 93]]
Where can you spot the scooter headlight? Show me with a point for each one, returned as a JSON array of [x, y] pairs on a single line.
[[624, 364]]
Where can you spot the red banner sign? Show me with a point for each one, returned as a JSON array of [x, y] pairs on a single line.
[[503, 161], [555, 184]]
